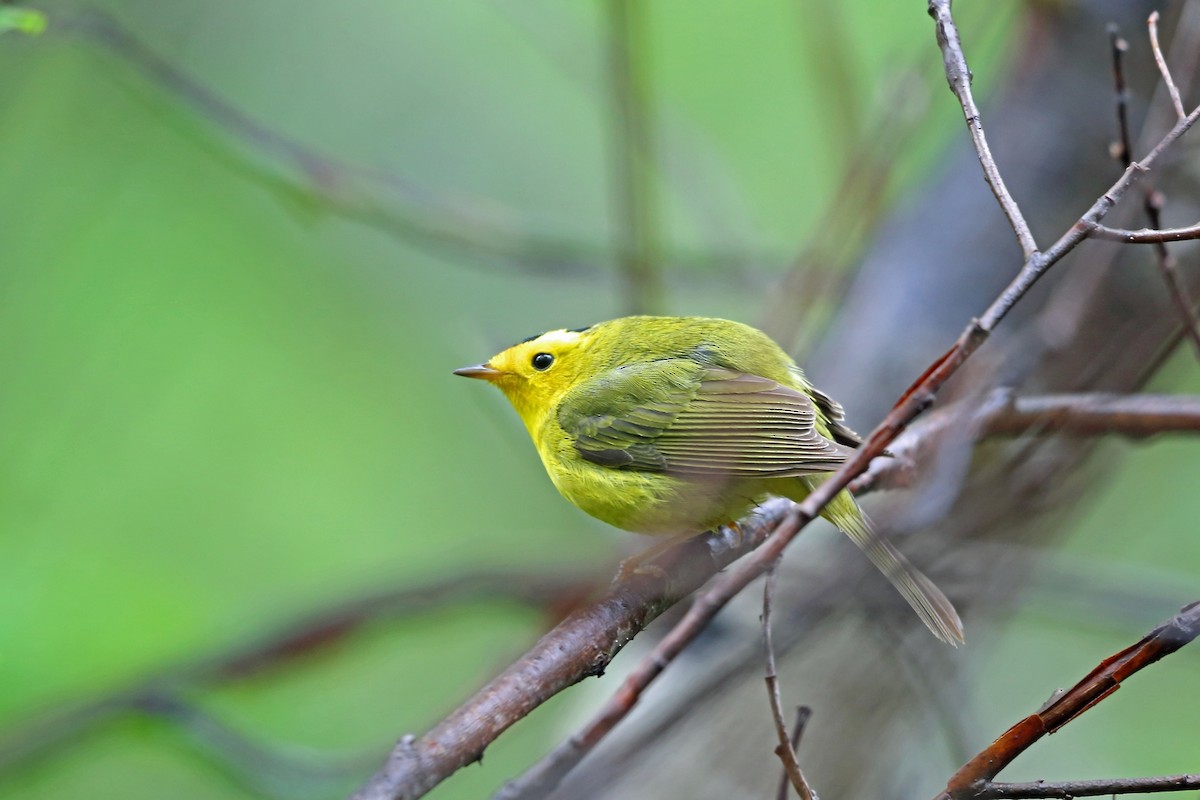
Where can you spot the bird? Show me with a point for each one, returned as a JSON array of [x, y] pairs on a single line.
[[672, 426]]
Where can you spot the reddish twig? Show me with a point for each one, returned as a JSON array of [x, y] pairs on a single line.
[[1066, 790], [970, 782], [786, 750], [958, 74]]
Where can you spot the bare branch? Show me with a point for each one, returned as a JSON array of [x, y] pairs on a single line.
[[1152, 201], [785, 750], [958, 74], [582, 645], [971, 780], [1146, 235], [1065, 790], [1084, 414], [1161, 60]]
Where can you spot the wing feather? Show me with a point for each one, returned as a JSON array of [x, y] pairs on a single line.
[[679, 416]]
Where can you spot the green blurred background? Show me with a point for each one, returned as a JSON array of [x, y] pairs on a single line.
[[226, 393]]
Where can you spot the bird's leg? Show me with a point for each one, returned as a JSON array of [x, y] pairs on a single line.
[[638, 564]]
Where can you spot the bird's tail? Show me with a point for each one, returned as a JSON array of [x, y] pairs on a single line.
[[934, 609]]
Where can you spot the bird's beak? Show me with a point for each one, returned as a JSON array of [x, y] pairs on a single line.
[[481, 371]]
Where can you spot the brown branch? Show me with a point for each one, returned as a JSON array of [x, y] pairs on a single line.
[[1152, 200], [1066, 790], [1146, 235], [971, 780], [786, 750], [582, 645], [958, 74]]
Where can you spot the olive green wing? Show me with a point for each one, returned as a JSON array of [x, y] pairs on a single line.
[[682, 417]]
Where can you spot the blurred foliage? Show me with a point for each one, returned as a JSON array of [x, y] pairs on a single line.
[[227, 405], [22, 20]]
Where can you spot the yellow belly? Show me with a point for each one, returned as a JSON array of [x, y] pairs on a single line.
[[651, 503]]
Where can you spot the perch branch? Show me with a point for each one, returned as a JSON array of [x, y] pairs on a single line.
[[971, 781]]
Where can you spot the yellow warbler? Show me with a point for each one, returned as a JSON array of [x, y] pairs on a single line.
[[675, 425]]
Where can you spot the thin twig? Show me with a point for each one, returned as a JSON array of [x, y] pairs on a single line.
[[1066, 790], [632, 143], [803, 714], [1146, 235], [1152, 200], [971, 780], [1176, 100], [785, 749], [958, 74]]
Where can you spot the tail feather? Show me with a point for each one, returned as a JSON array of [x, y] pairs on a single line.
[[934, 609]]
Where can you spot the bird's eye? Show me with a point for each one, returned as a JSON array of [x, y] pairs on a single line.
[[542, 361]]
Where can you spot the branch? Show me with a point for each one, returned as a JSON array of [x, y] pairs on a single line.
[[958, 74], [546, 774], [803, 713], [1085, 414], [1152, 201], [971, 781], [584, 643], [1065, 790], [1146, 235], [1160, 59], [786, 750]]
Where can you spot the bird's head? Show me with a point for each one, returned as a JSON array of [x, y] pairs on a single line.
[[534, 374]]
